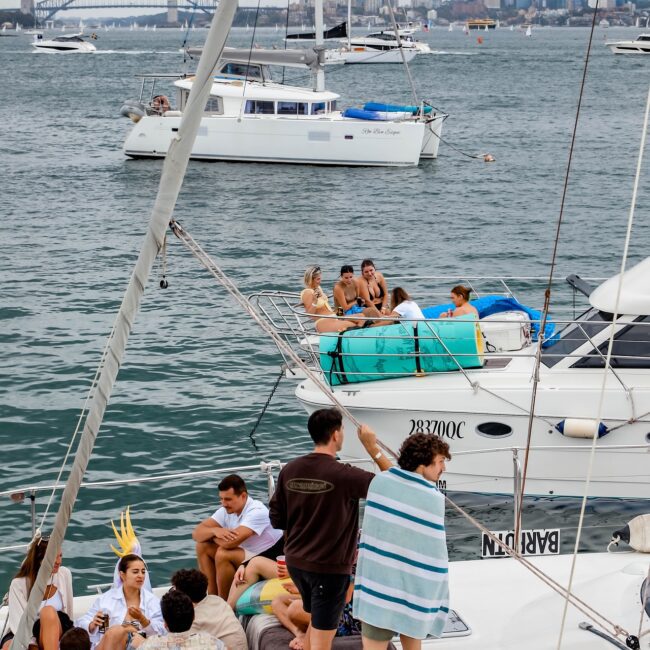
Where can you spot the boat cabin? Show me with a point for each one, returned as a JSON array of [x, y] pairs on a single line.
[[253, 84]]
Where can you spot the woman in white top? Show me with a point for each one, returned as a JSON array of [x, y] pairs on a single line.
[[403, 308], [56, 608], [133, 611]]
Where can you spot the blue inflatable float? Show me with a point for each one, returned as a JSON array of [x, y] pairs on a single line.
[[393, 108], [400, 350]]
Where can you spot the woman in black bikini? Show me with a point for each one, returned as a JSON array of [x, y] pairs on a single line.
[[372, 287]]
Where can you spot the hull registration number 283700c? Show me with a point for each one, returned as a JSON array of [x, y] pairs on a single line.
[[444, 428]]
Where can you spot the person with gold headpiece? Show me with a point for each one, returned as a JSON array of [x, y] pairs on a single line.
[[122, 617]]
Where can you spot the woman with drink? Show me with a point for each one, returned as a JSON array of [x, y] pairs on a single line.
[[123, 616]]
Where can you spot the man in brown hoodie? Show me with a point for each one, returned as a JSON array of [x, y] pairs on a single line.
[[316, 503]]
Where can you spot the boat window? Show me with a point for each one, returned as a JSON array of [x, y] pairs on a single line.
[[631, 348], [574, 335], [287, 108], [643, 38], [494, 429], [333, 106], [293, 108], [214, 105], [257, 107], [242, 70], [318, 108]]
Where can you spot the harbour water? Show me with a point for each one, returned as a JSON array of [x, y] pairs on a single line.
[[197, 372]]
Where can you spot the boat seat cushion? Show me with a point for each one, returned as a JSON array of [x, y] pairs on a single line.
[[264, 632]]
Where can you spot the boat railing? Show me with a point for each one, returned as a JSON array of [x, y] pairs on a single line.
[[284, 311], [268, 470]]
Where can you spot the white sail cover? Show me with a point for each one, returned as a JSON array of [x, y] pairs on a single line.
[[292, 58], [635, 292]]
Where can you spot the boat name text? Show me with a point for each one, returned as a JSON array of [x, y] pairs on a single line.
[[378, 131], [443, 428], [541, 541]]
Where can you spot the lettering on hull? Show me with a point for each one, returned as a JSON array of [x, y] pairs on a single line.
[[451, 429], [545, 541]]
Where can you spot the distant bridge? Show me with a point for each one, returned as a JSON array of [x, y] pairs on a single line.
[[45, 9]]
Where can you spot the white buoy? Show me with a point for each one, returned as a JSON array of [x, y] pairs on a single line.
[[581, 428], [636, 533]]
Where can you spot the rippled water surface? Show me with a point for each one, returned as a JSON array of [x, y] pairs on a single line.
[[197, 372]]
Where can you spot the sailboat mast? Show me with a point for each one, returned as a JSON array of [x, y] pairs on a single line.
[[318, 23], [170, 184], [349, 26]]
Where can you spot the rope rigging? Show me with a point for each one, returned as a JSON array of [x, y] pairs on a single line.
[[190, 243], [547, 293], [251, 435]]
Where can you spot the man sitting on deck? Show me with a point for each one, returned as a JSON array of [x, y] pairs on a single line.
[[235, 533], [178, 614]]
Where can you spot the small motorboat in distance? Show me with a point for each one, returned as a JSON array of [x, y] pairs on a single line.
[[63, 43], [639, 46]]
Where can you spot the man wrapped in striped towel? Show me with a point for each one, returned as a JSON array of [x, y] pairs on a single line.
[[401, 585]]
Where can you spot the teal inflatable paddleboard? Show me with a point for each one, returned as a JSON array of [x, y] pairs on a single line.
[[400, 350]]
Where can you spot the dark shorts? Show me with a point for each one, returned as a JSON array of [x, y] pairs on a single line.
[[323, 596], [275, 550], [5, 638], [64, 619]]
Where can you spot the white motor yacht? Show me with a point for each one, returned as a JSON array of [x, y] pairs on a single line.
[[386, 39], [63, 43], [483, 411], [249, 117], [374, 50], [640, 45]]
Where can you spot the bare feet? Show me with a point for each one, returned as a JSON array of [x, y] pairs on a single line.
[[297, 643]]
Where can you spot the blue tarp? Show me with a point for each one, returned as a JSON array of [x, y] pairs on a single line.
[[488, 305], [360, 114], [393, 108]]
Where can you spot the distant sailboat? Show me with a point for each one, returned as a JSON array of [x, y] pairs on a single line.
[[146, 28], [465, 29], [512, 28], [153, 29], [451, 27], [485, 28], [529, 31]]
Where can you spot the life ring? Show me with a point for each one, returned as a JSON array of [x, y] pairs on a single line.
[[160, 104]]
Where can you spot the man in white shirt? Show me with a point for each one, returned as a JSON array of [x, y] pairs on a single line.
[[235, 533]]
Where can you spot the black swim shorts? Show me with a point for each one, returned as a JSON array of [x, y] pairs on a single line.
[[323, 596]]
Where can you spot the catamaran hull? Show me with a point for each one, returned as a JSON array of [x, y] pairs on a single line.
[[278, 140], [481, 432], [378, 56]]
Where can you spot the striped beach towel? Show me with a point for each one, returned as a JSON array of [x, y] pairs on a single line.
[[401, 583]]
